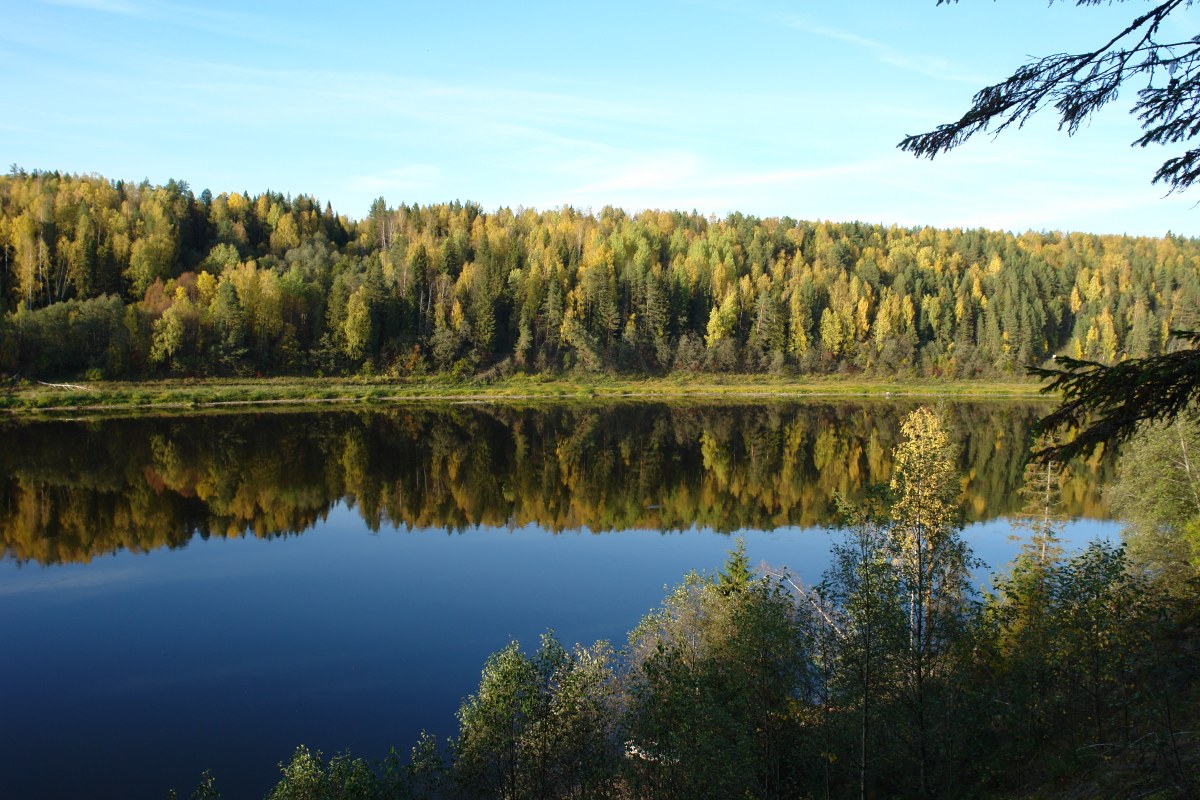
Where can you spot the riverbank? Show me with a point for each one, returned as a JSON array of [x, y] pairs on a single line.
[[225, 392]]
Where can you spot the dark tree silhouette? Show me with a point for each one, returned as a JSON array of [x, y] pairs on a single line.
[[1108, 403]]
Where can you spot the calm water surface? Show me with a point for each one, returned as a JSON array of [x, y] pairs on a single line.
[[182, 594]]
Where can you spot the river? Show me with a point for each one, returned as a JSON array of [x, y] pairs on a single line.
[[181, 593]]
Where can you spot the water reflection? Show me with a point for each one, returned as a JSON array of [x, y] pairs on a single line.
[[72, 490]]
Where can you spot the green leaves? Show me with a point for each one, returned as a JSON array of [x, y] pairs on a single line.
[[308, 777], [713, 679], [539, 726], [1157, 495]]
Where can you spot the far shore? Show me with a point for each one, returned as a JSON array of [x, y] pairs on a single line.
[[190, 393]]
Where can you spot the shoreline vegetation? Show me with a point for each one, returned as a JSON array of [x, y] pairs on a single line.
[[193, 393]]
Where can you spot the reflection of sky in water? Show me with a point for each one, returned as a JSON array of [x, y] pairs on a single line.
[[225, 654]]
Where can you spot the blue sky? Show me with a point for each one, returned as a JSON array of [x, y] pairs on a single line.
[[769, 108]]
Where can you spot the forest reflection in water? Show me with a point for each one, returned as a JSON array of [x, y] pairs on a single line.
[[71, 490]]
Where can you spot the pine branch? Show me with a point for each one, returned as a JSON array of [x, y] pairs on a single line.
[[1108, 403], [1077, 85]]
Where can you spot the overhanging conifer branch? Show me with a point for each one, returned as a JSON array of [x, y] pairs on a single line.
[[1108, 403], [1076, 85]]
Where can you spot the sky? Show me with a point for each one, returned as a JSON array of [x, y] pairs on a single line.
[[766, 108]]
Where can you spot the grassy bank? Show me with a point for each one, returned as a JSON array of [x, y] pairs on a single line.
[[198, 393]]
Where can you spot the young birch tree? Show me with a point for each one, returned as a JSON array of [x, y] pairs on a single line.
[[932, 565]]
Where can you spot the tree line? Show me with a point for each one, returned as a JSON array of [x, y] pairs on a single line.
[[108, 279], [1073, 675]]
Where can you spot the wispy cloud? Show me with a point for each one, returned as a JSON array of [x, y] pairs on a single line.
[[105, 6], [237, 24], [931, 66], [1104, 212], [415, 178], [778, 177], [638, 180], [675, 170], [635, 171]]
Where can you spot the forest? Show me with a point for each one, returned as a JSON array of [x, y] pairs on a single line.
[[105, 279]]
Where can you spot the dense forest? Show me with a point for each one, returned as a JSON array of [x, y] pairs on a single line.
[[109, 279], [71, 491]]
